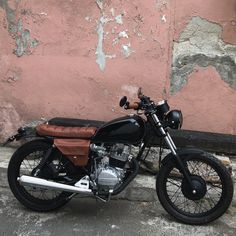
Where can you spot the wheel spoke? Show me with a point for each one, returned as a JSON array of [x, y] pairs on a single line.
[[213, 194], [173, 183], [28, 164]]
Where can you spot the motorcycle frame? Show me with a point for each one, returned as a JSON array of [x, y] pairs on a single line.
[[158, 128]]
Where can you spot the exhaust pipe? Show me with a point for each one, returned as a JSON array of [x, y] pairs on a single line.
[[37, 182]]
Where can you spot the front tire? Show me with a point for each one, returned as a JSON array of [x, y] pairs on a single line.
[[213, 181], [23, 161]]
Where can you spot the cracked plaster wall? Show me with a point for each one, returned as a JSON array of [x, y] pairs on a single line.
[[200, 44], [203, 78], [23, 42], [58, 57]]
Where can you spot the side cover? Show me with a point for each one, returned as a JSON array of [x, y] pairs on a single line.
[[76, 150]]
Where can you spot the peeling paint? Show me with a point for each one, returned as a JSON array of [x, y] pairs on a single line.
[[23, 41], [113, 30], [115, 41], [87, 18], [126, 49], [10, 120], [108, 15], [200, 44], [119, 19], [112, 12], [161, 4], [10, 15], [100, 4], [43, 13], [163, 18], [101, 58], [111, 56], [13, 75], [123, 34]]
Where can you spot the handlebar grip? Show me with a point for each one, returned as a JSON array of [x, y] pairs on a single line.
[[134, 105]]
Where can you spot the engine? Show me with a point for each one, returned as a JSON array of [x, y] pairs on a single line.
[[110, 165]]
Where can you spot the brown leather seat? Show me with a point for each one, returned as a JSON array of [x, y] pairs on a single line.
[[65, 132]]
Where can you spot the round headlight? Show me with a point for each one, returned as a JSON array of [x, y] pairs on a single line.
[[174, 119]]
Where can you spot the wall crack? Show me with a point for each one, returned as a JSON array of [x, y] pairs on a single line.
[[24, 42], [200, 44]]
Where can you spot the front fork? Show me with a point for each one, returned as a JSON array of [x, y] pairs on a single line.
[[170, 143]]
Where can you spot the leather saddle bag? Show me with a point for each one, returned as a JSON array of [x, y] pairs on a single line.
[[77, 150]]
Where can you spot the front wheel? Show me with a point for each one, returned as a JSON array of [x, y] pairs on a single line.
[[212, 194]]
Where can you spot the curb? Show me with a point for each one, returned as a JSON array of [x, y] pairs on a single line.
[[142, 188]]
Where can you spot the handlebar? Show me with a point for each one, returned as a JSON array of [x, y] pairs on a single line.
[[144, 104], [134, 105]]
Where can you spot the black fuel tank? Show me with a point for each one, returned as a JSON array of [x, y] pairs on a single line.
[[127, 129]]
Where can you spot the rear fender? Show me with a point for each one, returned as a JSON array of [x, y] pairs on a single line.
[[24, 133]]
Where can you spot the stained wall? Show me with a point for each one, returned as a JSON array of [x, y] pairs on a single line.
[[77, 58]]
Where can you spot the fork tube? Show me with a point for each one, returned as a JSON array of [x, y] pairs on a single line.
[[173, 149], [171, 140], [165, 134], [170, 145]]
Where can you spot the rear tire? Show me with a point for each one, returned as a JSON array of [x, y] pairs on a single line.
[[35, 198], [178, 200]]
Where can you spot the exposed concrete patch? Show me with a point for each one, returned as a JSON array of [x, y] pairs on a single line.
[[200, 44], [161, 4], [13, 75], [10, 15], [9, 118], [24, 42]]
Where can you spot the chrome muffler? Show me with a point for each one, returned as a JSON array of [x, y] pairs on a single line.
[[42, 183]]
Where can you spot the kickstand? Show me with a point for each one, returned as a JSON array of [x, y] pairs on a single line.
[[107, 199]]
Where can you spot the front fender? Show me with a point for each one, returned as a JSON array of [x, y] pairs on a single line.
[[181, 153]]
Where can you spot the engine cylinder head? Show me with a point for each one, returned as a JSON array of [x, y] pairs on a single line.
[[119, 155]]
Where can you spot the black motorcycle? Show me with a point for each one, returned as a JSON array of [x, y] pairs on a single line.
[[68, 157]]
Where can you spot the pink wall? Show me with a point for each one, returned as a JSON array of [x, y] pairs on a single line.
[[77, 58]]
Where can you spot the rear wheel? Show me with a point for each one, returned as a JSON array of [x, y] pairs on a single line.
[[212, 194], [24, 162]]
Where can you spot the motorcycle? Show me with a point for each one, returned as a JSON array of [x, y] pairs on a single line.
[[68, 157]]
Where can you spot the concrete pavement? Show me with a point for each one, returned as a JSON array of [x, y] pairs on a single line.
[[91, 217]]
